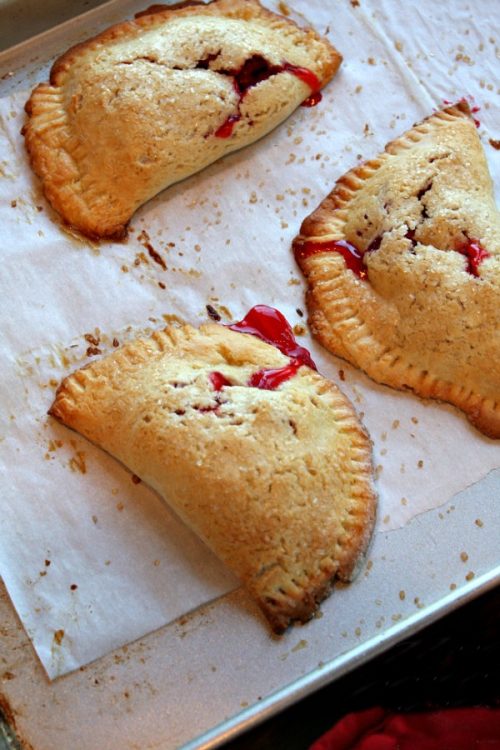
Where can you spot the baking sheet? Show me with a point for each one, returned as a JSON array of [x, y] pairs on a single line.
[[22, 20], [314, 148]]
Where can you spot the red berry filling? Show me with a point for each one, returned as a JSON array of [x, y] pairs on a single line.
[[475, 254], [257, 69], [354, 258], [270, 326]]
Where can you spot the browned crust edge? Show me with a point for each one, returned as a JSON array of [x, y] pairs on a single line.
[[38, 156], [327, 221], [298, 601], [300, 605]]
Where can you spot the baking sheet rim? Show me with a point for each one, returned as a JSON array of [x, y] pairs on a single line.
[[353, 657], [343, 664]]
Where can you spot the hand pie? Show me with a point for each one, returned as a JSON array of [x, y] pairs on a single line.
[[151, 101], [259, 454], [402, 261]]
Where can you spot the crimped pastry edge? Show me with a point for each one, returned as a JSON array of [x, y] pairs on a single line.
[[327, 222], [46, 104], [288, 602]]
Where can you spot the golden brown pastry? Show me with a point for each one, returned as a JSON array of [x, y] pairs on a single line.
[[259, 454], [402, 261], [151, 101]]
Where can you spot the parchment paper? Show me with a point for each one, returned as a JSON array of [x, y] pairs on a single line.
[[91, 558]]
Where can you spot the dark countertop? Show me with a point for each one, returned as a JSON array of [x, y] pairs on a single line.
[[453, 662]]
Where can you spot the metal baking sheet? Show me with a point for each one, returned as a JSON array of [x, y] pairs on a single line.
[[203, 680], [206, 677]]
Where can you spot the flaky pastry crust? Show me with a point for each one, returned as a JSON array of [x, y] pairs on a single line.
[[278, 483], [137, 108], [421, 319]]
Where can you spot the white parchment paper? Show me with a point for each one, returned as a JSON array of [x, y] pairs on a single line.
[[91, 558]]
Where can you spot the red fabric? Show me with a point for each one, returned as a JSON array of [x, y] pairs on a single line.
[[447, 729]]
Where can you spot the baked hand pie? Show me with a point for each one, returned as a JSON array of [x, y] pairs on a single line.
[[259, 454], [151, 101], [402, 261]]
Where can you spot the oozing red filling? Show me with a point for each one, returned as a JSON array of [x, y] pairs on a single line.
[[270, 326], [218, 380], [312, 99], [269, 380], [258, 69], [354, 258], [475, 254], [305, 75]]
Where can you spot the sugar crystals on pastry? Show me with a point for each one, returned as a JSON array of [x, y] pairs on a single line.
[[151, 101], [402, 261], [258, 453]]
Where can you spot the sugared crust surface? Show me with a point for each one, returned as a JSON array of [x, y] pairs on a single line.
[[278, 483], [420, 320], [135, 109]]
